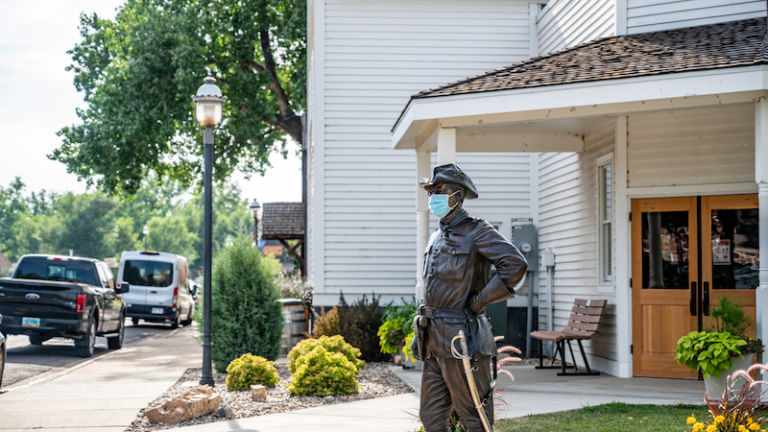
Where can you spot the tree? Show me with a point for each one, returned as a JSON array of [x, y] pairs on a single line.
[[13, 209], [169, 234], [138, 72], [87, 224]]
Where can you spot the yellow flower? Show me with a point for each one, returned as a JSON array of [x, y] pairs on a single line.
[[749, 420], [698, 426], [691, 420], [742, 429], [754, 426], [719, 419], [712, 428]]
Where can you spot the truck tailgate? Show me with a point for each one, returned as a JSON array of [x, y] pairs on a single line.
[[36, 298]]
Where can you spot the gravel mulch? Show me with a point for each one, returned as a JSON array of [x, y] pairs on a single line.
[[376, 380]]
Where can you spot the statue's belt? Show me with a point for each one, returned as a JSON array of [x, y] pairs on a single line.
[[439, 312]]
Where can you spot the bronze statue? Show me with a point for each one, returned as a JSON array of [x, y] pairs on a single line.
[[458, 285]]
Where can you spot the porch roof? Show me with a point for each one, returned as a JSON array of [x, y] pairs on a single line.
[[724, 48]]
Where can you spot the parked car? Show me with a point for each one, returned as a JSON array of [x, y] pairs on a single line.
[[3, 354], [159, 287], [60, 296]]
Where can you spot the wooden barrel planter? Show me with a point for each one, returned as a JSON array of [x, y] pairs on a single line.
[[294, 324]]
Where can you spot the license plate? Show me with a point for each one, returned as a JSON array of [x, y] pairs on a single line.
[[30, 322], [158, 311]]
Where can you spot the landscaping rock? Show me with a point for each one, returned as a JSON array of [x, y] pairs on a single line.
[[258, 392], [328, 399], [193, 403], [225, 412]]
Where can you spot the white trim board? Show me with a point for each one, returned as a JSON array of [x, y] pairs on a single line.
[[608, 97]]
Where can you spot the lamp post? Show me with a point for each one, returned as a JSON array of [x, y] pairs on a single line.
[[255, 209], [145, 231], [208, 112]]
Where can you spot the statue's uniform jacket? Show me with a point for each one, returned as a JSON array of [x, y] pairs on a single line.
[[458, 285], [456, 270]]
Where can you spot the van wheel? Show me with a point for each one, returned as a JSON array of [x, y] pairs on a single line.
[[135, 321], [190, 313], [87, 345], [175, 322], [116, 342]]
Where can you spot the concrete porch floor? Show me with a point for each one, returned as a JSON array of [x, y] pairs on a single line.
[[538, 391]]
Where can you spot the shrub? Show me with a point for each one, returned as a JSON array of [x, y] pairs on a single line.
[[327, 324], [324, 373], [332, 344], [246, 317], [249, 369], [359, 325]]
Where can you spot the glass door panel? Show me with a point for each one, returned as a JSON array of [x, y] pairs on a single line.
[[731, 258]]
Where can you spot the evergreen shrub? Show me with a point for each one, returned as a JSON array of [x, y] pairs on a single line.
[[246, 317], [249, 369], [360, 324], [323, 373], [327, 323], [332, 344]]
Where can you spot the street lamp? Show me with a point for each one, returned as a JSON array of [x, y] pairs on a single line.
[[145, 231], [208, 112], [255, 209]]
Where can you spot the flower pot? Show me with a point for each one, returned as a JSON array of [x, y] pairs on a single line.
[[714, 386]]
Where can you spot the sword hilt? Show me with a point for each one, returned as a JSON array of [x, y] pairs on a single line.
[[464, 353]]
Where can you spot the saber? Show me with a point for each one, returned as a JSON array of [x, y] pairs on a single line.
[[465, 359]]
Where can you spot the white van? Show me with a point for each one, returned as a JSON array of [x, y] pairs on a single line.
[[159, 287]]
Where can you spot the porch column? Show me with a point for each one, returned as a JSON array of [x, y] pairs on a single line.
[[422, 218], [761, 177], [446, 146]]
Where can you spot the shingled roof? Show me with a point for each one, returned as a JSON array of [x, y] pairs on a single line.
[[730, 44], [282, 220]]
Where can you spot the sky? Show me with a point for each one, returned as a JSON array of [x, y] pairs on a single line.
[[38, 99]]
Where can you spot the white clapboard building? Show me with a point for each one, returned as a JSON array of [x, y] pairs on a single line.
[[632, 133]]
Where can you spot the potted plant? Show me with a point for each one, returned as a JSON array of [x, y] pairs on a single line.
[[720, 351], [397, 331]]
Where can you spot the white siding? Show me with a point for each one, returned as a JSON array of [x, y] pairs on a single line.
[[565, 23], [690, 147], [568, 224], [655, 15], [377, 54]]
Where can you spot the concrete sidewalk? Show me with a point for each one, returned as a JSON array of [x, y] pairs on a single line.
[[534, 392], [129, 378]]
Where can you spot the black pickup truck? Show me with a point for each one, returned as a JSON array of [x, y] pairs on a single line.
[[61, 296]]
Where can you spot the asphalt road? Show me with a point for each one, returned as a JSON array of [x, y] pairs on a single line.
[[26, 360]]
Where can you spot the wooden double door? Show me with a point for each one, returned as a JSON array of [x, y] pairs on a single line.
[[686, 254]]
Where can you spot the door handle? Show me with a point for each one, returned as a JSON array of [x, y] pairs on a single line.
[[692, 305], [705, 299]]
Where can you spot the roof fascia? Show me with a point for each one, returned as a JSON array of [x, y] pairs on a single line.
[[619, 96]]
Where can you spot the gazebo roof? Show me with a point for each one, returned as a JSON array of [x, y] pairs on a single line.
[[283, 220]]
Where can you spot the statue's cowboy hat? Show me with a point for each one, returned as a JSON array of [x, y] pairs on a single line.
[[450, 173]]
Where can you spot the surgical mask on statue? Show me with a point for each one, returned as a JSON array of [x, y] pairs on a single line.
[[438, 204]]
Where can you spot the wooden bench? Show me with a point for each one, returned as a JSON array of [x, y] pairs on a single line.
[[582, 325]]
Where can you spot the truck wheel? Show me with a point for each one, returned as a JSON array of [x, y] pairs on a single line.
[[175, 322], [190, 314], [116, 342], [86, 346], [37, 340], [135, 321]]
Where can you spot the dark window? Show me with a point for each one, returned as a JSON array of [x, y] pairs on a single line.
[[148, 273], [57, 270], [735, 249], [665, 250]]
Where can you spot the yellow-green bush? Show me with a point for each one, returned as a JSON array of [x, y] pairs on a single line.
[[333, 344], [249, 369], [320, 372]]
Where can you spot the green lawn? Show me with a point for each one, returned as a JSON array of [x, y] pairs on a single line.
[[614, 417]]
